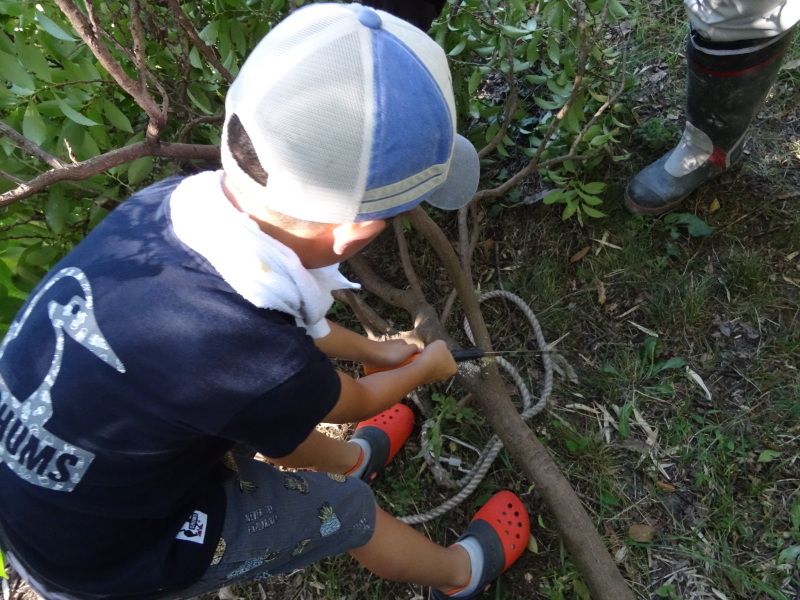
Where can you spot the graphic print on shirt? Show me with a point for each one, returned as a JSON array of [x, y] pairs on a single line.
[[26, 446]]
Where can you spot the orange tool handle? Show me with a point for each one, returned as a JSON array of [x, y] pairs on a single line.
[[408, 361]]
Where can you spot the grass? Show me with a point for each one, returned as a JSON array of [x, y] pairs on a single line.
[[715, 475]]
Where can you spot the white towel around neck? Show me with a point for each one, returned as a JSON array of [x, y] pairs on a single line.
[[258, 267]]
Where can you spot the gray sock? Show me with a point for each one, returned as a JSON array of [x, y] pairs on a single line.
[[367, 448], [473, 548]]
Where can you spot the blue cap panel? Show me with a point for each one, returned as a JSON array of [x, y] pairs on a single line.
[[414, 128]]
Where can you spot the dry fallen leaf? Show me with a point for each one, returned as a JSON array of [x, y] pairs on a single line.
[[601, 292], [641, 532], [665, 487], [580, 254]]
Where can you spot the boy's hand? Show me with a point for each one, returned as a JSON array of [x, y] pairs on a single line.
[[391, 353], [439, 362]]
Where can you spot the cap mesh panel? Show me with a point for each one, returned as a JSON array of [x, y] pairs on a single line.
[[314, 120]]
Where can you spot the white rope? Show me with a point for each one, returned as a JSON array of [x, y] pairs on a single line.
[[472, 479]]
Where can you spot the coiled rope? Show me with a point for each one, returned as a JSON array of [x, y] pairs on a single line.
[[472, 479]]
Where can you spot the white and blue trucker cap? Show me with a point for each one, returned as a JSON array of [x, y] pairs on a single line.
[[350, 112]]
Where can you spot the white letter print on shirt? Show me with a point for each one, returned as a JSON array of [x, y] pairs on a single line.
[[26, 447]]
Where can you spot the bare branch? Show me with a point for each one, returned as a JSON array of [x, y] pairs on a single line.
[[98, 164], [208, 53], [372, 282], [30, 147], [576, 528], [194, 122], [405, 260], [375, 325], [89, 32], [508, 111]]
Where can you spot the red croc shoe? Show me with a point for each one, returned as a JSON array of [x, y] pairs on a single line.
[[502, 528], [386, 434]]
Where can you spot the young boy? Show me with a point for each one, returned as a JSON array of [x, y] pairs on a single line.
[[191, 322]]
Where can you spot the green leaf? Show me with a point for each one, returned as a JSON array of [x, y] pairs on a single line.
[[768, 456], [199, 98], [13, 72], [592, 212], [795, 514], [194, 58], [608, 499], [56, 210], [695, 226], [53, 29], [33, 58], [624, 427], [553, 51], [569, 210], [554, 196], [474, 81], [673, 363], [33, 126], [617, 9], [116, 117], [139, 169], [210, 32], [610, 369], [458, 48], [593, 188], [789, 555], [513, 32], [74, 115]]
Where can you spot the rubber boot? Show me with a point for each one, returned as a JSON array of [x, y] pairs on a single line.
[[727, 85]]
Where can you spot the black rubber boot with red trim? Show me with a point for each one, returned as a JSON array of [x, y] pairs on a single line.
[[726, 87]]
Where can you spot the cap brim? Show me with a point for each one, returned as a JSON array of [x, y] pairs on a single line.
[[462, 178]]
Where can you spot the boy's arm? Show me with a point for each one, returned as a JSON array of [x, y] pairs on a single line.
[[349, 345], [368, 396]]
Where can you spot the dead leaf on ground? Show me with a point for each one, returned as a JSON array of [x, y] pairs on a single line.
[[601, 292], [580, 254], [641, 532], [791, 64], [665, 487]]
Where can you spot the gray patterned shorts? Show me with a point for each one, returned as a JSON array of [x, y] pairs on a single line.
[[277, 521]]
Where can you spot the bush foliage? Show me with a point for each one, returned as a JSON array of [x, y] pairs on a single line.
[[535, 82]]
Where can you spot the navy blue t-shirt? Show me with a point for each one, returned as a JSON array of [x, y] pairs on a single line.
[[130, 371]]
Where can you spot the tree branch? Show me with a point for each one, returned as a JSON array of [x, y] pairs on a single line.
[[208, 53], [98, 164], [375, 325], [30, 147], [89, 33], [576, 528], [405, 260], [381, 288]]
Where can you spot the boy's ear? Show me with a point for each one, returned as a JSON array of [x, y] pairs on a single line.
[[348, 234]]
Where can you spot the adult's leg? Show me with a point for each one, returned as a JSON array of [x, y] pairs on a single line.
[[729, 77]]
